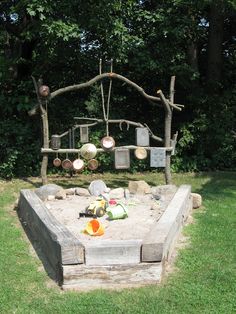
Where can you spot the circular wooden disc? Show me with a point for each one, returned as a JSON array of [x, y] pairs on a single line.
[[140, 153], [78, 164], [88, 151]]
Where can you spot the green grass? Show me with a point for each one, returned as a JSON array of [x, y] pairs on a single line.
[[205, 280]]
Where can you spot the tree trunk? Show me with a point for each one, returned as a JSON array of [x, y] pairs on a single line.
[[215, 39]]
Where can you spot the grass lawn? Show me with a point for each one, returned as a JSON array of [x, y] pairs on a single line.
[[204, 282]]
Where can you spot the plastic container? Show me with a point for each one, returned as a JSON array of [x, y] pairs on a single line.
[[117, 212], [94, 228]]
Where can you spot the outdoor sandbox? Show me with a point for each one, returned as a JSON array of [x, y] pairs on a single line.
[[132, 251], [126, 252]]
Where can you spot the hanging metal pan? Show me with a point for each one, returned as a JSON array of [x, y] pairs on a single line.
[[78, 164], [66, 164], [108, 143], [57, 162], [92, 164]]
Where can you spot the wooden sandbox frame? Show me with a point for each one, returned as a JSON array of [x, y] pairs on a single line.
[[104, 264]]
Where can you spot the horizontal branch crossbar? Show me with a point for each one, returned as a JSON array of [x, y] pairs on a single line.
[[99, 150]]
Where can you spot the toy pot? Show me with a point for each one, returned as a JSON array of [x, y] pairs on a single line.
[[117, 212], [94, 228]]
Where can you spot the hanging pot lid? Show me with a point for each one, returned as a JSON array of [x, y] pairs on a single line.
[[78, 164], [92, 164], [140, 153], [88, 151], [66, 164], [57, 162], [107, 143]]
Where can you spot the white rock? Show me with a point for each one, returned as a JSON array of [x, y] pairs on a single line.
[[61, 195], [51, 197], [70, 191], [197, 200], [82, 192], [48, 189], [139, 187]]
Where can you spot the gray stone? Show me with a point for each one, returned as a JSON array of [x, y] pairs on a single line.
[[139, 187], [197, 200], [82, 192], [70, 191], [117, 193], [97, 187], [163, 189], [61, 195], [49, 189]]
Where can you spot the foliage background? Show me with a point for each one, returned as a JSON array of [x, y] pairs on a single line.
[[149, 41]]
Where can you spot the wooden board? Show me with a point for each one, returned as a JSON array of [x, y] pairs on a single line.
[[113, 252], [159, 242], [83, 277], [58, 245]]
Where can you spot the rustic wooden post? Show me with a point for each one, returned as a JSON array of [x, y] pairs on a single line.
[[42, 95], [44, 164], [167, 138]]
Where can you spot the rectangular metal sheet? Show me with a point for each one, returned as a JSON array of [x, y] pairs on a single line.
[[142, 137], [158, 157], [84, 136], [122, 158]]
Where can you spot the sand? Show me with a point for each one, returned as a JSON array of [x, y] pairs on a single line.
[[138, 223]]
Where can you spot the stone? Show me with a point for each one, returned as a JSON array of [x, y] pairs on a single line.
[[155, 206], [197, 200], [139, 187], [117, 193], [163, 189], [51, 197], [61, 195], [82, 192], [49, 189], [70, 191], [97, 187], [127, 194]]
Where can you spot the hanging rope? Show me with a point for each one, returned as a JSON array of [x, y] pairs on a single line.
[[102, 91], [108, 100], [106, 111]]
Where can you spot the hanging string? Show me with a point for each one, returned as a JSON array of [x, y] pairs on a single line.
[[106, 111], [108, 100], [102, 91]]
